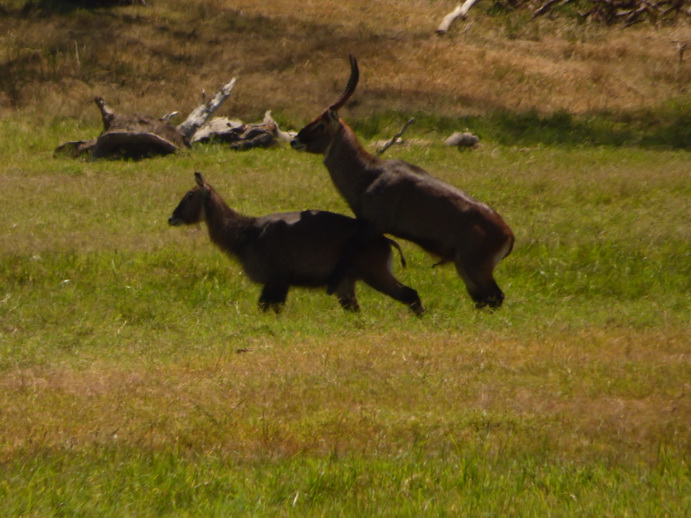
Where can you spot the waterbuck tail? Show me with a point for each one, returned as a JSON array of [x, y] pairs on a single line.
[[400, 252]]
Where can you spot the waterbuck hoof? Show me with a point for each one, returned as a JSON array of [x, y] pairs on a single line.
[[492, 303], [266, 306], [418, 309]]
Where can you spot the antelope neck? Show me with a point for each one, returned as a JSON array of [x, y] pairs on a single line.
[[225, 225], [345, 153]]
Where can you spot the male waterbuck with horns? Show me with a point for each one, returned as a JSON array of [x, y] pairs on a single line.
[[404, 200], [309, 248]]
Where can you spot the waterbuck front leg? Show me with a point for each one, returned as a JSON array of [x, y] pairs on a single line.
[[273, 296]]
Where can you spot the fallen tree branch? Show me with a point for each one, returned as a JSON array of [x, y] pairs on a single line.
[[547, 6], [631, 12], [395, 138], [682, 47], [609, 12]]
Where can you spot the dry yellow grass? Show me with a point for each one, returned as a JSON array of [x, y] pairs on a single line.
[[307, 396], [293, 60]]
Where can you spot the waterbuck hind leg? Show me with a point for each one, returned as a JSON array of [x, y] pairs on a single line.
[[342, 269], [411, 297], [374, 268], [401, 293], [345, 292], [273, 296], [339, 273]]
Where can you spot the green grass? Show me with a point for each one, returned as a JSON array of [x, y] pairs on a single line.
[[464, 481], [137, 376]]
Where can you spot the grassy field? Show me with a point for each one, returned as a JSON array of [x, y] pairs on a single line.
[[138, 378]]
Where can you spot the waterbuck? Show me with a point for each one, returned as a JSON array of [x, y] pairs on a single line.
[[402, 199], [309, 248]]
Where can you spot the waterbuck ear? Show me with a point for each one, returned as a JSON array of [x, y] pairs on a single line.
[[331, 116], [199, 179]]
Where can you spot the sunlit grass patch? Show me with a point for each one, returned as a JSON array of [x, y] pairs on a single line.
[[463, 481], [133, 355]]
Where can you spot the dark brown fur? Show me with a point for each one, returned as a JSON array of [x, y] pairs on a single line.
[[404, 200], [308, 248]]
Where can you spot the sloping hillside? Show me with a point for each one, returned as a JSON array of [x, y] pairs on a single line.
[[293, 60]]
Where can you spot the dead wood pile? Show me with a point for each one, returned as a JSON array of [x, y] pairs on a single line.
[[240, 136], [626, 12], [610, 12], [137, 136]]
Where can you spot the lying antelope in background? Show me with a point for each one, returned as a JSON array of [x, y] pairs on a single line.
[[309, 248], [398, 198]]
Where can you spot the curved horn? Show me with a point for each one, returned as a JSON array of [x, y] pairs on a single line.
[[350, 87]]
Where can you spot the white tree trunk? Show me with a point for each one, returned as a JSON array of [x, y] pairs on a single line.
[[460, 10], [201, 113]]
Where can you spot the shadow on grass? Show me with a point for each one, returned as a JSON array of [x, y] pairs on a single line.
[[667, 127], [47, 7], [663, 129]]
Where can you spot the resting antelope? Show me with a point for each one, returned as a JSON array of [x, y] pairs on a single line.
[[308, 248], [402, 199]]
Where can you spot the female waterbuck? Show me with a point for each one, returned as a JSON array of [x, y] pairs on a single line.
[[398, 198], [309, 248]]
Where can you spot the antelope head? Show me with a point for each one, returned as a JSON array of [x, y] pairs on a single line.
[[191, 208], [318, 134]]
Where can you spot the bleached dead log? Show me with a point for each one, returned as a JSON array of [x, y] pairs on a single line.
[[460, 10], [204, 111], [396, 138], [241, 136], [286, 136], [264, 134], [217, 129]]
